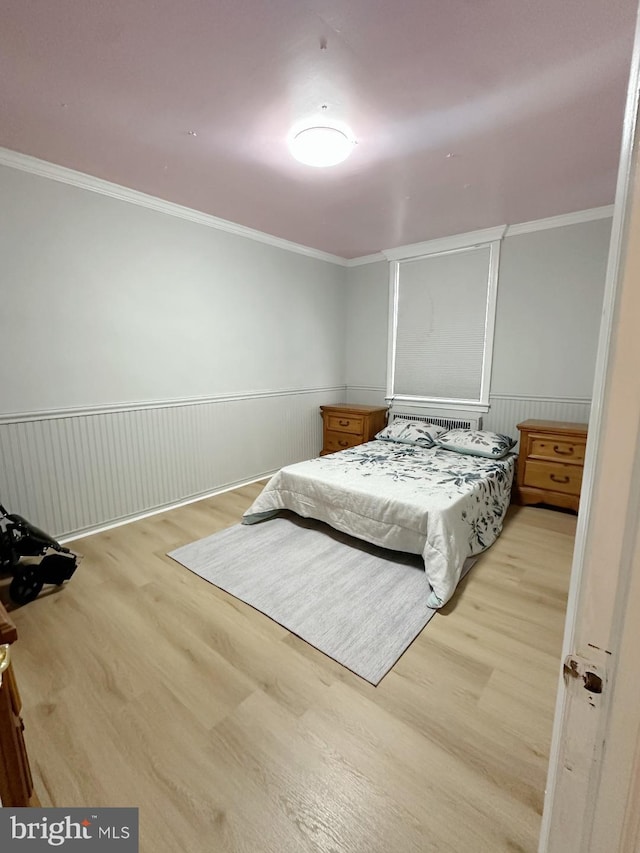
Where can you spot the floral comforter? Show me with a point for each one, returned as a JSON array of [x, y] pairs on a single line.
[[444, 505]]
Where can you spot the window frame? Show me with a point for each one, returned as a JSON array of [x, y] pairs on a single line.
[[448, 246]]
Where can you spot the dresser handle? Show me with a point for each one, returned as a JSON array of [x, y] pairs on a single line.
[[343, 443], [343, 423], [557, 450], [559, 479]]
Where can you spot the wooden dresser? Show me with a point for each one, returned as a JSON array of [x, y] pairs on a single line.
[[345, 425], [16, 786], [550, 463]]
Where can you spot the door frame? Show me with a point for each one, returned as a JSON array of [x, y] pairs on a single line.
[[587, 805]]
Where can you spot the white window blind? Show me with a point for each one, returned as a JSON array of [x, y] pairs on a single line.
[[443, 334]]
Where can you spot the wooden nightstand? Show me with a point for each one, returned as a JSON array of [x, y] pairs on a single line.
[[550, 463], [345, 425]]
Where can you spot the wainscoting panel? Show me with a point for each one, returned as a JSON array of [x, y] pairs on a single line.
[[72, 472], [506, 411]]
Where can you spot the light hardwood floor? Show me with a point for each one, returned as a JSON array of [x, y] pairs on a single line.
[[143, 685]]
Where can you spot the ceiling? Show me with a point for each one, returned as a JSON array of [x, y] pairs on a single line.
[[467, 113]]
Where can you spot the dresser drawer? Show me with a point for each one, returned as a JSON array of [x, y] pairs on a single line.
[[553, 476], [340, 441], [557, 448], [345, 423], [550, 463]]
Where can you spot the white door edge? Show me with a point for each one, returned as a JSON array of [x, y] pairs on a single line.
[[567, 792]]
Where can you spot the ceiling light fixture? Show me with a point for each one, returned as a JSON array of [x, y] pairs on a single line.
[[321, 146]]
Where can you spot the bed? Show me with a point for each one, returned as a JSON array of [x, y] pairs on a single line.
[[436, 500]]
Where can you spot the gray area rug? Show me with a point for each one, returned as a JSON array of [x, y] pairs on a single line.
[[360, 604]]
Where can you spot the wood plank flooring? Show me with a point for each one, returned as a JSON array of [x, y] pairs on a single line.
[[143, 685]]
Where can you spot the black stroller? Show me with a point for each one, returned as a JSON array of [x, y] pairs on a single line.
[[19, 538]]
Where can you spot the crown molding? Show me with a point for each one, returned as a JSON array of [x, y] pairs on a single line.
[[575, 218], [365, 259], [44, 169], [560, 221], [446, 244]]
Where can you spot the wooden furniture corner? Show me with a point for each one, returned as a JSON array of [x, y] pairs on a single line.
[[16, 784], [347, 425], [550, 463]]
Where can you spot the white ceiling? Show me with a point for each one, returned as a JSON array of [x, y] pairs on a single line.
[[468, 113]]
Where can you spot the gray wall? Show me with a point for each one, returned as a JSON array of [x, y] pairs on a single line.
[[367, 312], [548, 314], [105, 302], [549, 308], [147, 359], [124, 315]]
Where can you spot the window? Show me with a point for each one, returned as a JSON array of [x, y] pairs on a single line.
[[441, 325]]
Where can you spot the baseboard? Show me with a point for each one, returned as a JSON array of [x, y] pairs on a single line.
[[102, 528]]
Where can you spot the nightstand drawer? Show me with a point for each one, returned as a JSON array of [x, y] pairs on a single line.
[[550, 463], [553, 476], [345, 423], [340, 441], [557, 448]]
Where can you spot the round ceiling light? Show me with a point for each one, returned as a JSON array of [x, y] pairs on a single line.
[[321, 146]]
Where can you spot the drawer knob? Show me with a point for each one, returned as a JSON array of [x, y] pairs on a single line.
[[556, 449], [343, 443], [557, 479], [343, 423]]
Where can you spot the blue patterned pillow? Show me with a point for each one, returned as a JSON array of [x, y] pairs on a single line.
[[411, 432], [476, 442]]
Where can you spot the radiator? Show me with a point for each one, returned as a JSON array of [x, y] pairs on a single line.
[[468, 422]]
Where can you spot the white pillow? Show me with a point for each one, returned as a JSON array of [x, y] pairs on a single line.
[[411, 432], [476, 442]]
